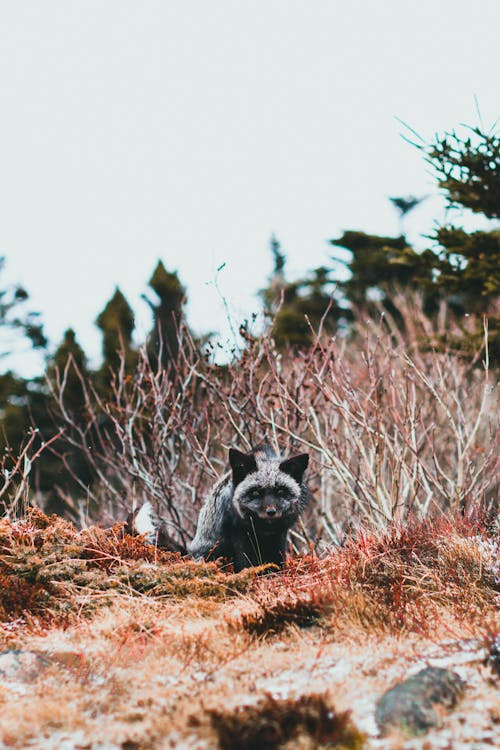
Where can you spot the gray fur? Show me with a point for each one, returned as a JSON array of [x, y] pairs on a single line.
[[247, 515]]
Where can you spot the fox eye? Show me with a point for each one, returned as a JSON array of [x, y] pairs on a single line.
[[281, 491], [255, 495]]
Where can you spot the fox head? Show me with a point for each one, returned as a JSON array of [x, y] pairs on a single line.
[[266, 487]]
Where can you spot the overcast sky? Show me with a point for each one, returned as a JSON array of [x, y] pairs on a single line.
[[190, 130]]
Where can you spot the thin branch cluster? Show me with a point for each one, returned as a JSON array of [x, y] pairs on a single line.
[[393, 429]]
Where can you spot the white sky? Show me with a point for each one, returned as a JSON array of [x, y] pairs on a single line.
[[190, 130]]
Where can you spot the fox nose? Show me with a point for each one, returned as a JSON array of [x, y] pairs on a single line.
[[271, 511]]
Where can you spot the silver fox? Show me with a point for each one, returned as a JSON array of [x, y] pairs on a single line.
[[247, 515]]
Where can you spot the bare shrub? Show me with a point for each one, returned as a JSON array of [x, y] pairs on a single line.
[[15, 470], [394, 427]]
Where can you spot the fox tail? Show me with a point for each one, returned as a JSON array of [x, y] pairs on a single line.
[[144, 521]]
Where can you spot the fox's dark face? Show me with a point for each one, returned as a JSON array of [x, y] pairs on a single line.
[[269, 503], [267, 489]]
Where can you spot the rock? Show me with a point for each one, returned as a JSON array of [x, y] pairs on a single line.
[[416, 705], [21, 666], [493, 656], [74, 660]]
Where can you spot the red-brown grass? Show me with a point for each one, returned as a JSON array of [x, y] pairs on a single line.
[[400, 580], [50, 570]]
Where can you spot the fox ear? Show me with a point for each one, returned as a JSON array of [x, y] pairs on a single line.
[[242, 464], [295, 466]]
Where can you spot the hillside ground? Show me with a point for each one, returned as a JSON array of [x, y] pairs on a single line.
[[130, 648]]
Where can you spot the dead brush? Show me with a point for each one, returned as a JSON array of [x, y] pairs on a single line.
[[272, 723], [392, 428]]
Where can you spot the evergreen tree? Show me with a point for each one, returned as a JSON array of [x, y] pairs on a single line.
[[58, 469], [14, 412], [117, 323], [297, 309], [274, 291], [167, 309], [405, 205], [461, 267], [306, 304], [374, 264], [464, 267], [69, 364], [467, 168], [14, 318], [27, 403], [467, 264], [279, 258], [17, 326]]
